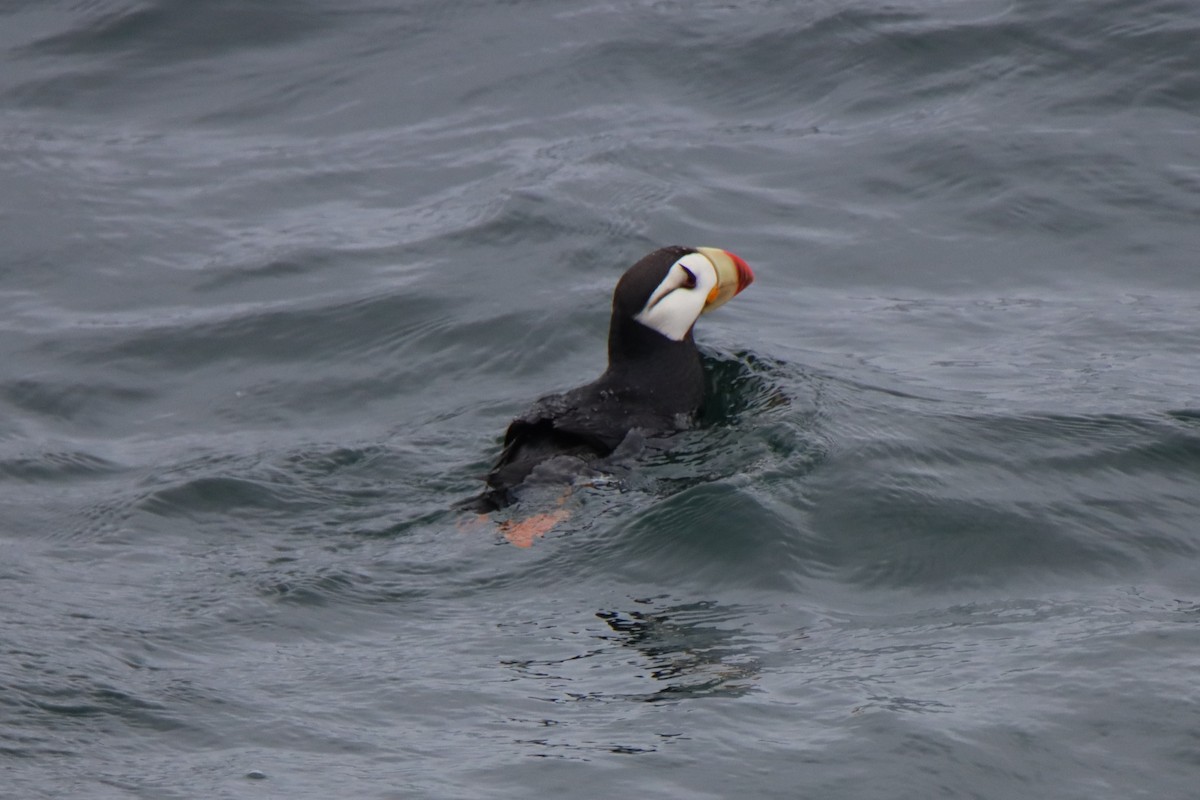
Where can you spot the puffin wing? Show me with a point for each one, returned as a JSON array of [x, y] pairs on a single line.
[[567, 416], [553, 426], [586, 424]]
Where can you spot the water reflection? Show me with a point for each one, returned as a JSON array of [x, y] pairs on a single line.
[[622, 677], [686, 650]]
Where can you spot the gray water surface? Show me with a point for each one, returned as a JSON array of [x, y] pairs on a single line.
[[275, 277]]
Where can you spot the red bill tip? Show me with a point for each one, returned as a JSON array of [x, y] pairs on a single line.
[[745, 275]]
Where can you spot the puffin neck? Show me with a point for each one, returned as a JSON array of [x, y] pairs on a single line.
[[665, 374], [630, 341]]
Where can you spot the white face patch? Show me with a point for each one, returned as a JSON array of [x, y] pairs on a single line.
[[676, 303]]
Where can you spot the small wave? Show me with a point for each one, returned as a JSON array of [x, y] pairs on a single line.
[[57, 466], [72, 401], [960, 500]]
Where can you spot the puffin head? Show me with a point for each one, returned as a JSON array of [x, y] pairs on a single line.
[[669, 289]]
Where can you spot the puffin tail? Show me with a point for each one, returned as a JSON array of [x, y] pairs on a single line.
[[486, 502]]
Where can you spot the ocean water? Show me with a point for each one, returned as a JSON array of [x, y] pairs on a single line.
[[275, 276]]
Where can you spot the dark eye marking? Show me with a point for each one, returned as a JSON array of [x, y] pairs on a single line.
[[690, 281]]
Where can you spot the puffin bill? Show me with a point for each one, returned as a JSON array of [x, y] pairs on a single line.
[[654, 383]]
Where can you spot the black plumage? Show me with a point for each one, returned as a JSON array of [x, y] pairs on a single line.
[[653, 385]]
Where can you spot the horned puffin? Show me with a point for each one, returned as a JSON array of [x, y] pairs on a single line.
[[654, 383]]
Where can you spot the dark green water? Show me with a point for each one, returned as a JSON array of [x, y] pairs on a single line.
[[274, 278]]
